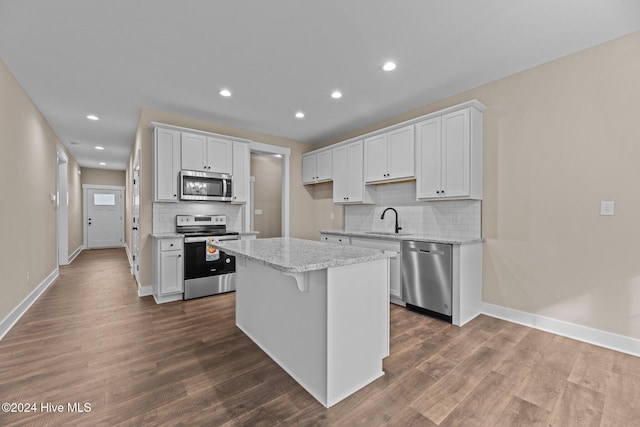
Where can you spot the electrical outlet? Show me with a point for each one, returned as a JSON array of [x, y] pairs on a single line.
[[27, 276], [606, 208]]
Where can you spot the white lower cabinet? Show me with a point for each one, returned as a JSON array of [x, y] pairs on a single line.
[[395, 278], [395, 284], [168, 269], [330, 238]]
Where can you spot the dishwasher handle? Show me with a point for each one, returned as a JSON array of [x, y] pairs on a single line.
[[425, 251]]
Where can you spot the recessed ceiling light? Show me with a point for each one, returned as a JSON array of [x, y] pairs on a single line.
[[336, 94], [97, 147], [225, 92], [389, 66], [103, 164], [93, 117], [299, 115]]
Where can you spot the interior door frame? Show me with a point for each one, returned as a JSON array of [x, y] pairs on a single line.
[[62, 207], [85, 209], [286, 155]]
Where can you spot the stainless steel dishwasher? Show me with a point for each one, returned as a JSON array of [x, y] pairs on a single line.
[[426, 278]]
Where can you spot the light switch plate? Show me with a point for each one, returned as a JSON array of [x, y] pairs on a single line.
[[606, 208]]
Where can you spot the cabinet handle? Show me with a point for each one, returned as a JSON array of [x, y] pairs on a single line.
[[180, 256]]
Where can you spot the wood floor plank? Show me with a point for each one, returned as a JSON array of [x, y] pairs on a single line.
[[485, 404], [522, 413], [578, 406], [442, 398], [90, 338]]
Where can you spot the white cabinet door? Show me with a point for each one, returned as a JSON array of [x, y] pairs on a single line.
[[339, 159], [166, 165], [316, 167], [449, 156], [456, 154], [323, 166], [194, 152], [428, 179], [206, 153], [241, 165], [219, 155], [309, 169], [401, 153], [376, 150], [171, 274], [355, 177], [390, 156], [348, 175]]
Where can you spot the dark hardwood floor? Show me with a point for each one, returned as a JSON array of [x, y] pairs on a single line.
[[90, 339]]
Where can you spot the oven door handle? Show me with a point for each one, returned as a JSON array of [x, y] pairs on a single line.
[[195, 239]]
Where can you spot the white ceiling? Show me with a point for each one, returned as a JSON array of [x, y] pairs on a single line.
[[111, 58]]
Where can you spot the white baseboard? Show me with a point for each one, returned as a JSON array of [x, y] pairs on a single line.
[[581, 333], [145, 291], [75, 253], [168, 298], [15, 315]]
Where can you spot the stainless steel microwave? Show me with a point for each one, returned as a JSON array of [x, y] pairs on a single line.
[[205, 186]]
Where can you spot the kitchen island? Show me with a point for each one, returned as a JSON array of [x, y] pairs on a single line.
[[319, 310]]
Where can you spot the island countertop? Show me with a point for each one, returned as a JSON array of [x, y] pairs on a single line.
[[291, 255]]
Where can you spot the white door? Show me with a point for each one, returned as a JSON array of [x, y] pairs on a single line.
[[105, 223]]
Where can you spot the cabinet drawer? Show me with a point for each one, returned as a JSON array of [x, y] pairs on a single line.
[[170, 244]]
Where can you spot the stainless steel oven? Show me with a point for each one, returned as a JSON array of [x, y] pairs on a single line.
[[207, 270]]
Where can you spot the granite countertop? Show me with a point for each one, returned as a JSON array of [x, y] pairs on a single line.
[[167, 235], [292, 255], [405, 236]]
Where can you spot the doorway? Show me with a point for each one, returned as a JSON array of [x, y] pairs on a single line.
[[104, 216], [266, 194], [285, 153]]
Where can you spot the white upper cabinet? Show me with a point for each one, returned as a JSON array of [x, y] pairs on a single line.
[[390, 156], [241, 172], [449, 156], [348, 178], [206, 153], [166, 151], [316, 167]]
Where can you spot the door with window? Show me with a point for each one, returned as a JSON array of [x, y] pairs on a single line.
[[105, 218]]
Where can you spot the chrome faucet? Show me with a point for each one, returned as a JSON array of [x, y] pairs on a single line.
[[385, 211]]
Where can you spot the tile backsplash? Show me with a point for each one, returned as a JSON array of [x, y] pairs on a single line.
[[164, 214], [459, 218]]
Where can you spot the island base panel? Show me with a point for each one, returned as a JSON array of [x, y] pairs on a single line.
[[330, 338]]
